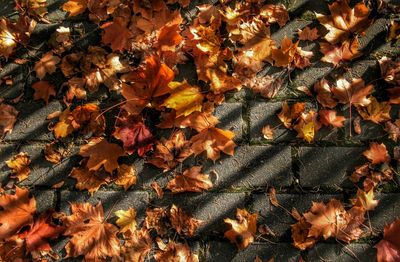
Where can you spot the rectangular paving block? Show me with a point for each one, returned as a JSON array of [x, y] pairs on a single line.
[[328, 166], [387, 211], [277, 218], [31, 122], [210, 207], [343, 253], [252, 166], [230, 117], [223, 251]]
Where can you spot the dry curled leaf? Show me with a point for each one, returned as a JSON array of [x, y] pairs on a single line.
[[8, 117], [126, 176], [268, 132], [375, 111], [182, 222], [377, 153], [192, 180], [43, 90], [46, 65], [19, 165], [243, 229]]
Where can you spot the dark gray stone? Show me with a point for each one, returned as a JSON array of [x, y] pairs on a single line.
[[252, 166], [45, 199], [328, 166], [346, 253], [386, 212], [223, 251], [230, 117]]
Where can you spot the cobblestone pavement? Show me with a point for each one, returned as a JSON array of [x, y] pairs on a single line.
[[300, 172]]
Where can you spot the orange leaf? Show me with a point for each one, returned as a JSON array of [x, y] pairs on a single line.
[[8, 117], [75, 7], [324, 93], [89, 180], [355, 93], [182, 222], [116, 34], [388, 249], [242, 229], [19, 165], [43, 90], [137, 245], [46, 65], [190, 181], [377, 153], [375, 111], [126, 176], [290, 113], [308, 34], [329, 117], [345, 51]]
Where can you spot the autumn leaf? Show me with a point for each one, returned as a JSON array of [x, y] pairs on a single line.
[[116, 34], [243, 229], [308, 34], [289, 114], [46, 65], [213, 140], [137, 245], [52, 154], [158, 189], [126, 176], [43, 90], [196, 120], [184, 98], [393, 129], [135, 135], [324, 93], [275, 14], [268, 132], [290, 55], [19, 165], [390, 70], [365, 200], [91, 236], [344, 21], [377, 153], [388, 249], [174, 252], [300, 234], [192, 180], [267, 86], [75, 7], [89, 180], [272, 197], [126, 220], [307, 126], [8, 117], [155, 219], [16, 211], [12, 249], [101, 153], [8, 40], [375, 111], [345, 51], [354, 93], [182, 222], [329, 117]]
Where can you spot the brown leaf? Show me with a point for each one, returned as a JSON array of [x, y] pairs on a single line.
[[275, 14], [365, 200], [393, 129], [324, 93], [116, 34], [175, 252], [182, 222], [290, 113], [377, 153], [375, 111], [137, 245], [354, 93], [75, 7], [8, 117], [243, 229], [308, 34], [89, 180], [192, 180], [329, 117], [388, 249], [272, 197], [52, 154], [307, 126], [46, 65], [126, 176], [158, 189], [357, 125], [345, 51], [268, 132], [19, 165], [43, 90]]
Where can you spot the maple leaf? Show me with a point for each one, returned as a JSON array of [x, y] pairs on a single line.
[[388, 249], [329, 117], [192, 180], [137, 245], [126, 176], [275, 14], [126, 220], [174, 252], [308, 34], [377, 153], [243, 229], [365, 200], [16, 211], [43, 90], [19, 165], [101, 153], [196, 120], [345, 51], [8, 117], [267, 86], [324, 93], [182, 222], [221, 82], [355, 220], [8, 40], [89, 180], [300, 234], [75, 7], [290, 113], [375, 111], [169, 153], [150, 81], [213, 140], [134, 135], [46, 65], [290, 55], [41, 231], [326, 220], [158, 189], [393, 129], [354, 94], [184, 98], [155, 219], [307, 126], [116, 34], [92, 237], [344, 20]]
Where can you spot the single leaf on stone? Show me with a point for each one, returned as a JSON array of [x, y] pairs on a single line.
[[89, 180], [192, 180], [388, 249], [289, 114], [354, 93], [126, 220], [213, 141], [137, 245], [345, 51], [16, 211], [308, 34], [329, 117], [365, 200], [8, 117], [43, 90], [101, 153], [46, 65], [126, 176], [377, 153], [91, 236], [375, 111], [344, 21], [242, 229], [19, 165], [268, 132], [183, 223], [184, 98], [75, 7]]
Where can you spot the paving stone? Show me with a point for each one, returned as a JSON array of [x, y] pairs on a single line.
[[328, 166], [343, 253], [45, 199], [276, 218], [210, 207], [7, 7], [262, 114], [223, 251], [386, 212], [230, 117], [310, 75], [374, 34], [252, 166], [31, 123], [111, 200]]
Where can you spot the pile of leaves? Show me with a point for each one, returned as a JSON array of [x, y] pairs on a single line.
[[166, 121]]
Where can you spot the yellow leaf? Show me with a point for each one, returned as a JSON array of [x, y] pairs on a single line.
[[126, 220]]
